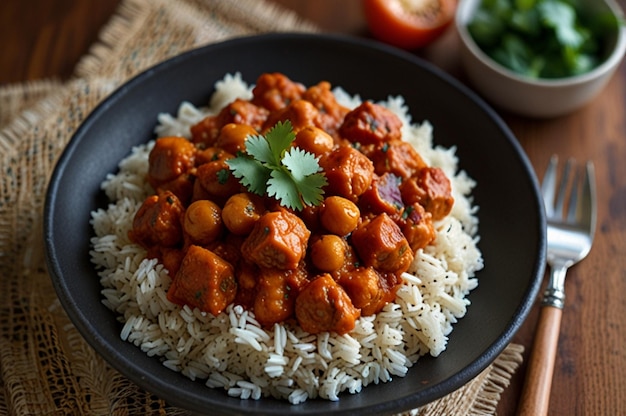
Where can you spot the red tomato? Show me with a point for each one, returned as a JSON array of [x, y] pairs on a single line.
[[408, 24]]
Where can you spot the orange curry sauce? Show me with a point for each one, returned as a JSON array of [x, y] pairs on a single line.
[[324, 266]]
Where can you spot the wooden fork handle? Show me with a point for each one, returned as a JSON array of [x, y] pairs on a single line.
[[536, 393]]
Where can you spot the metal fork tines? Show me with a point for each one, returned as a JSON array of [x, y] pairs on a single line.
[[571, 222], [571, 226]]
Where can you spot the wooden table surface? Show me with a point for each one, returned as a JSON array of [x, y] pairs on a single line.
[[43, 39]]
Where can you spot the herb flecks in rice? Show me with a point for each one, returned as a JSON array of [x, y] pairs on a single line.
[[232, 351]]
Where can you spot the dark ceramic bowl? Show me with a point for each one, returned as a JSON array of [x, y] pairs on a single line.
[[512, 224]]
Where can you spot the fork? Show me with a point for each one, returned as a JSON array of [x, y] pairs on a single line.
[[571, 227]]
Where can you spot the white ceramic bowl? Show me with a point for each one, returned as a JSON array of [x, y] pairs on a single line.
[[539, 98]]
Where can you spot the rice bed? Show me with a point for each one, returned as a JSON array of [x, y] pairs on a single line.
[[232, 351]]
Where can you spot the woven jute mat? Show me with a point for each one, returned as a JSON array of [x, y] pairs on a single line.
[[45, 365]]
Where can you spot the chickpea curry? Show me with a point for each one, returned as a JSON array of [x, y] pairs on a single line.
[[323, 265]]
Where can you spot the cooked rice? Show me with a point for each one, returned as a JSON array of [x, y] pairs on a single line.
[[232, 351]]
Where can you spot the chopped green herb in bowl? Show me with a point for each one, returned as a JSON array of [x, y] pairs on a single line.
[[540, 58], [541, 38]]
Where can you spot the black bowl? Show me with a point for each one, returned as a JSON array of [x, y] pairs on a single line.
[[512, 223]]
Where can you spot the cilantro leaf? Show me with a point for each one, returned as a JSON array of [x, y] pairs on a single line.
[[279, 139], [271, 166], [305, 172], [311, 189], [300, 163], [284, 189], [251, 174], [259, 148]]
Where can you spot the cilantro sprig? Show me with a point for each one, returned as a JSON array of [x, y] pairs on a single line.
[[541, 38], [270, 165]]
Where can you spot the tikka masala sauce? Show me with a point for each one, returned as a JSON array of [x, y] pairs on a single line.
[[323, 266]]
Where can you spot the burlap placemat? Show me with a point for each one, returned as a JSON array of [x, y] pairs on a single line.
[[45, 365]]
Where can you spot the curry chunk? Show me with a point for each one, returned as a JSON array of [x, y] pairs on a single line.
[[239, 111], [169, 158], [398, 157], [171, 258], [242, 112], [417, 226], [246, 274], [273, 301], [331, 113], [371, 123], [381, 244], [368, 289], [275, 91], [323, 305], [204, 281], [278, 240], [204, 132], [182, 186], [431, 188], [300, 113], [348, 171], [383, 195], [158, 221]]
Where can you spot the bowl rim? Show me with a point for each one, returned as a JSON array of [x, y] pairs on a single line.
[[611, 62]]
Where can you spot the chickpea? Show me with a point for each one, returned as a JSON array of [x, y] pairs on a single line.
[[241, 212], [203, 222], [328, 252], [339, 215], [217, 179], [314, 140], [232, 137]]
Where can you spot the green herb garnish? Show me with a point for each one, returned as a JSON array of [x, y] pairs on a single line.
[[270, 165], [541, 38]]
